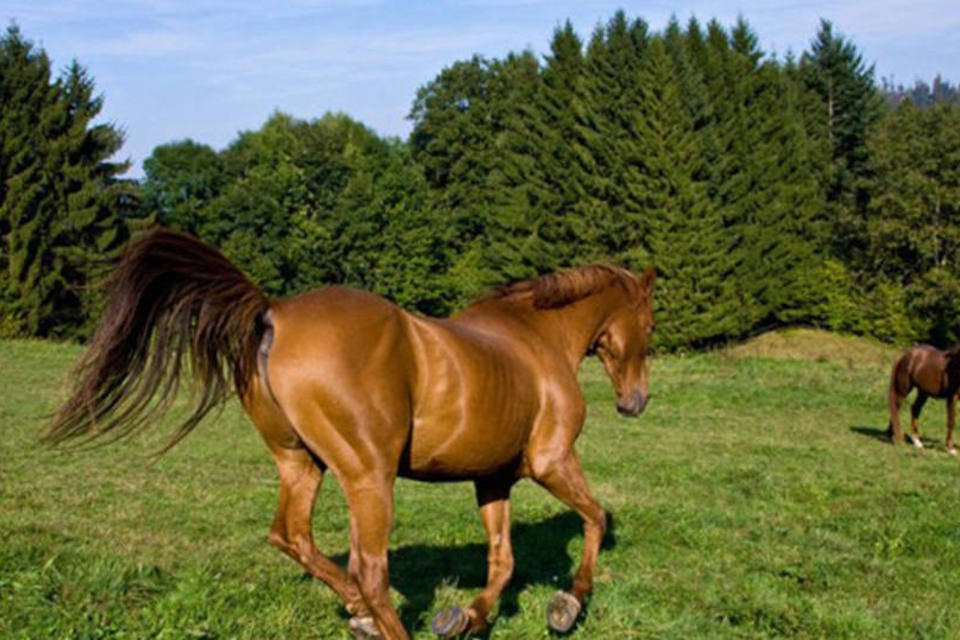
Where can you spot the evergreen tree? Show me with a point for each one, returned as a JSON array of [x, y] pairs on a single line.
[[565, 132], [913, 230], [614, 59], [687, 241], [63, 206], [835, 70]]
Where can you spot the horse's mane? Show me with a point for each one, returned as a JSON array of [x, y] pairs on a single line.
[[561, 288]]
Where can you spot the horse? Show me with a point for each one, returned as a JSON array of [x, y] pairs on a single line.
[[343, 380], [934, 373]]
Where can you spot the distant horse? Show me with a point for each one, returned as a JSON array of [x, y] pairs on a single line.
[[935, 374], [344, 380]]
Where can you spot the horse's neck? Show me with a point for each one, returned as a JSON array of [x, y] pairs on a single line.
[[952, 369], [577, 326]]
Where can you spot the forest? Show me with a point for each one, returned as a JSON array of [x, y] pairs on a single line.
[[767, 191]]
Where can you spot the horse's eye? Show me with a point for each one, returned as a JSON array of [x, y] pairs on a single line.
[[651, 328]]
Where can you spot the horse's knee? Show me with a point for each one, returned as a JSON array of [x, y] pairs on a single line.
[[595, 520]]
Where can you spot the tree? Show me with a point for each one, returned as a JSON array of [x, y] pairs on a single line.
[[180, 179], [64, 208], [913, 230], [835, 70], [687, 240]]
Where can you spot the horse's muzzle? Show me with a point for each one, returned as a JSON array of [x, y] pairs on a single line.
[[632, 405]]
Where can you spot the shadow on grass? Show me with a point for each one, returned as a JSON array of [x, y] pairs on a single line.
[[540, 558], [872, 432], [882, 435]]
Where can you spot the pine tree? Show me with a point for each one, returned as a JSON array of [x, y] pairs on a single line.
[[62, 206], [913, 230], [835, 70], [687, 241], [565, 134], [613, 61]]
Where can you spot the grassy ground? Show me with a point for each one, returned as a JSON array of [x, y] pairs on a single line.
[[755, 498]]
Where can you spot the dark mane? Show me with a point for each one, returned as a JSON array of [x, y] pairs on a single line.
[[559, 289]]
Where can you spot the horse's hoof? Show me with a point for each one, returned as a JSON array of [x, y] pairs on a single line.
[[450, 622], [952, 451], [915, 441], [563, 612], [364, 628]]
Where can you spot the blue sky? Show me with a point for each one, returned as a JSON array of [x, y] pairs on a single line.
[[174, 69]]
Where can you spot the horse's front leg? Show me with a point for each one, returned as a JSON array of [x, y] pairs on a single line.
[[951, 419], [493, 498], [915, 409], [563, 477]]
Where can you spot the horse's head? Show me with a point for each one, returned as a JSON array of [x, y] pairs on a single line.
[[623, 344]]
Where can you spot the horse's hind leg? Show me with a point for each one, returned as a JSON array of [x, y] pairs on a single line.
[[915, 410], [493, 497], [371, 516], [895, 399], [564, 479], [301, 475], [300, 480]]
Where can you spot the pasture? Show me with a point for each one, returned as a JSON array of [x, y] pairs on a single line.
[[756, 497]]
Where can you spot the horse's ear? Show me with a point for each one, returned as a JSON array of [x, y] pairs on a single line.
[[648, 279]]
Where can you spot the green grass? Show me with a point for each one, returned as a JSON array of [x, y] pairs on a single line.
[[755, 498]]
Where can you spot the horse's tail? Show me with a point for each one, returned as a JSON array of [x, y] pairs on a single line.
[[176, 305]]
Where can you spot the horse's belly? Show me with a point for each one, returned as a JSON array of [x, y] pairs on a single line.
[[448, 448]]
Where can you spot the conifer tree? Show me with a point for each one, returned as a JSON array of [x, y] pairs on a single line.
[[835, 70], [62, 206], [565, 135], [613, 61], [687, 241]]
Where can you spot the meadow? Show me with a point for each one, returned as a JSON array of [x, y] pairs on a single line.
[[757, 497]]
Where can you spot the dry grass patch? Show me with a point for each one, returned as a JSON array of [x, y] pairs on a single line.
[[818, 346]]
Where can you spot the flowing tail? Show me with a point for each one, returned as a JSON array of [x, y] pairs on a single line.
[[176, 306]]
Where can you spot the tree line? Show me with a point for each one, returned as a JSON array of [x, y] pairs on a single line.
[[766, 191]]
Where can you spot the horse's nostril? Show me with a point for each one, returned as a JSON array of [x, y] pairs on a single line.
[[634, 406], [642, 401]]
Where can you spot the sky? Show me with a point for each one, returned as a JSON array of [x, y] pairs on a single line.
[[206, 70]]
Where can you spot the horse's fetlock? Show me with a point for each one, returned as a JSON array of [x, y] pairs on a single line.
[[278, 539]]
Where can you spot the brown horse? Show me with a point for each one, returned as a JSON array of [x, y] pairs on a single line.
[[935, 374], [344, 380]]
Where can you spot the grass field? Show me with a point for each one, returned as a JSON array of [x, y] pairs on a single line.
[[755, 498]]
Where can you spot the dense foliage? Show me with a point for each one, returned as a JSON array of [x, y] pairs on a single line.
[[766, 191], [62, 206]]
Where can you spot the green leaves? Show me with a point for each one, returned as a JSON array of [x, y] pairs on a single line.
[[62, 205], [766, 192]]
